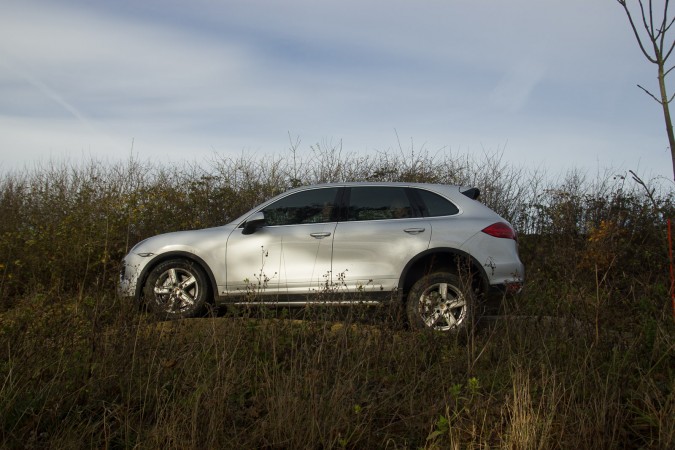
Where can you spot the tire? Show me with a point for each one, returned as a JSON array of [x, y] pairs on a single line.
[[176, 289], [440, 301]]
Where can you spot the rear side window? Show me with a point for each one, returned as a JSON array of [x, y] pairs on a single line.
[[378, 203], [433, 205], [313, 206]]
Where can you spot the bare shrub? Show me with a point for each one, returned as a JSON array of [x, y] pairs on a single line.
[[583, 358]]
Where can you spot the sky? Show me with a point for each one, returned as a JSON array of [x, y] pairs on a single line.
[[545, 83]]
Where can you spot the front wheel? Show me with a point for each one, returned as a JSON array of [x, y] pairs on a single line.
[[176, 289], [440, 301]]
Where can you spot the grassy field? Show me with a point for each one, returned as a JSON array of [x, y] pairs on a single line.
[[584, 357]]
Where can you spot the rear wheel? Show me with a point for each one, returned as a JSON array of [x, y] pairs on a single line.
[[176, 289], [440, 301]]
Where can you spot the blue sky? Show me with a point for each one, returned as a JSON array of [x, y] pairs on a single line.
[[550, 84]]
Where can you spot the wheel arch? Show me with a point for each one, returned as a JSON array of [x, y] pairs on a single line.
[[436, 259], [158, 259]]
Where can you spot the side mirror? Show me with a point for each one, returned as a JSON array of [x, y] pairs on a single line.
[[256, 221]]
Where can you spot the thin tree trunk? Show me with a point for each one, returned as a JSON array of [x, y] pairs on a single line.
[[662, 50], [666, 114]]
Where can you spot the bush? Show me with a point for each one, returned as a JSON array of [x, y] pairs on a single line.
[[584, 356]]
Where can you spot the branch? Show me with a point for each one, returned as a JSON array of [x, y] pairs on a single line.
[[651, 95], [669, 50], [669, 25], [650, 193], [667, 72], [635, 31], [649, 28], [665, 29]]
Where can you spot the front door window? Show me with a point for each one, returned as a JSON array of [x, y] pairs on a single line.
[[291, 252]]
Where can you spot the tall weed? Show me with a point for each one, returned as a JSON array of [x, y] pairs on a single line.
[[584, 356]]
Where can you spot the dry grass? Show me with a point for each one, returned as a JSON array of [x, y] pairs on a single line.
[[583, 358]]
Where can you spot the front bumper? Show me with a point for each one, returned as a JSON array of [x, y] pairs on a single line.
[[132, 266]]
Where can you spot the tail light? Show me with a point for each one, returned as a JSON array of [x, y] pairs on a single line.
[[501, 230]]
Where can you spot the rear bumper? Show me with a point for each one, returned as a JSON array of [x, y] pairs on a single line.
[[503, 290], [509, 288]]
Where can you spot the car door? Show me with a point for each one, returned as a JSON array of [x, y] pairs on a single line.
[[379, 233], [290, 253]]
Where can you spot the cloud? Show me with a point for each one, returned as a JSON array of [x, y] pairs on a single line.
[[190, 78], [514, 88], [47, 91]]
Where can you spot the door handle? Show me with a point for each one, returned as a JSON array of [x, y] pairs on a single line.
[[320, 235], [414, 230]]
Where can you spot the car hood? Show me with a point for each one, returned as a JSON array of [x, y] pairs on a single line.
[[184, 240]]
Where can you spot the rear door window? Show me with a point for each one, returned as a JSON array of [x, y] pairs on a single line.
[[379, 203]]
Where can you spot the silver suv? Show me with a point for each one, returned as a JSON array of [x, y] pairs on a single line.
[[433, 248]]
